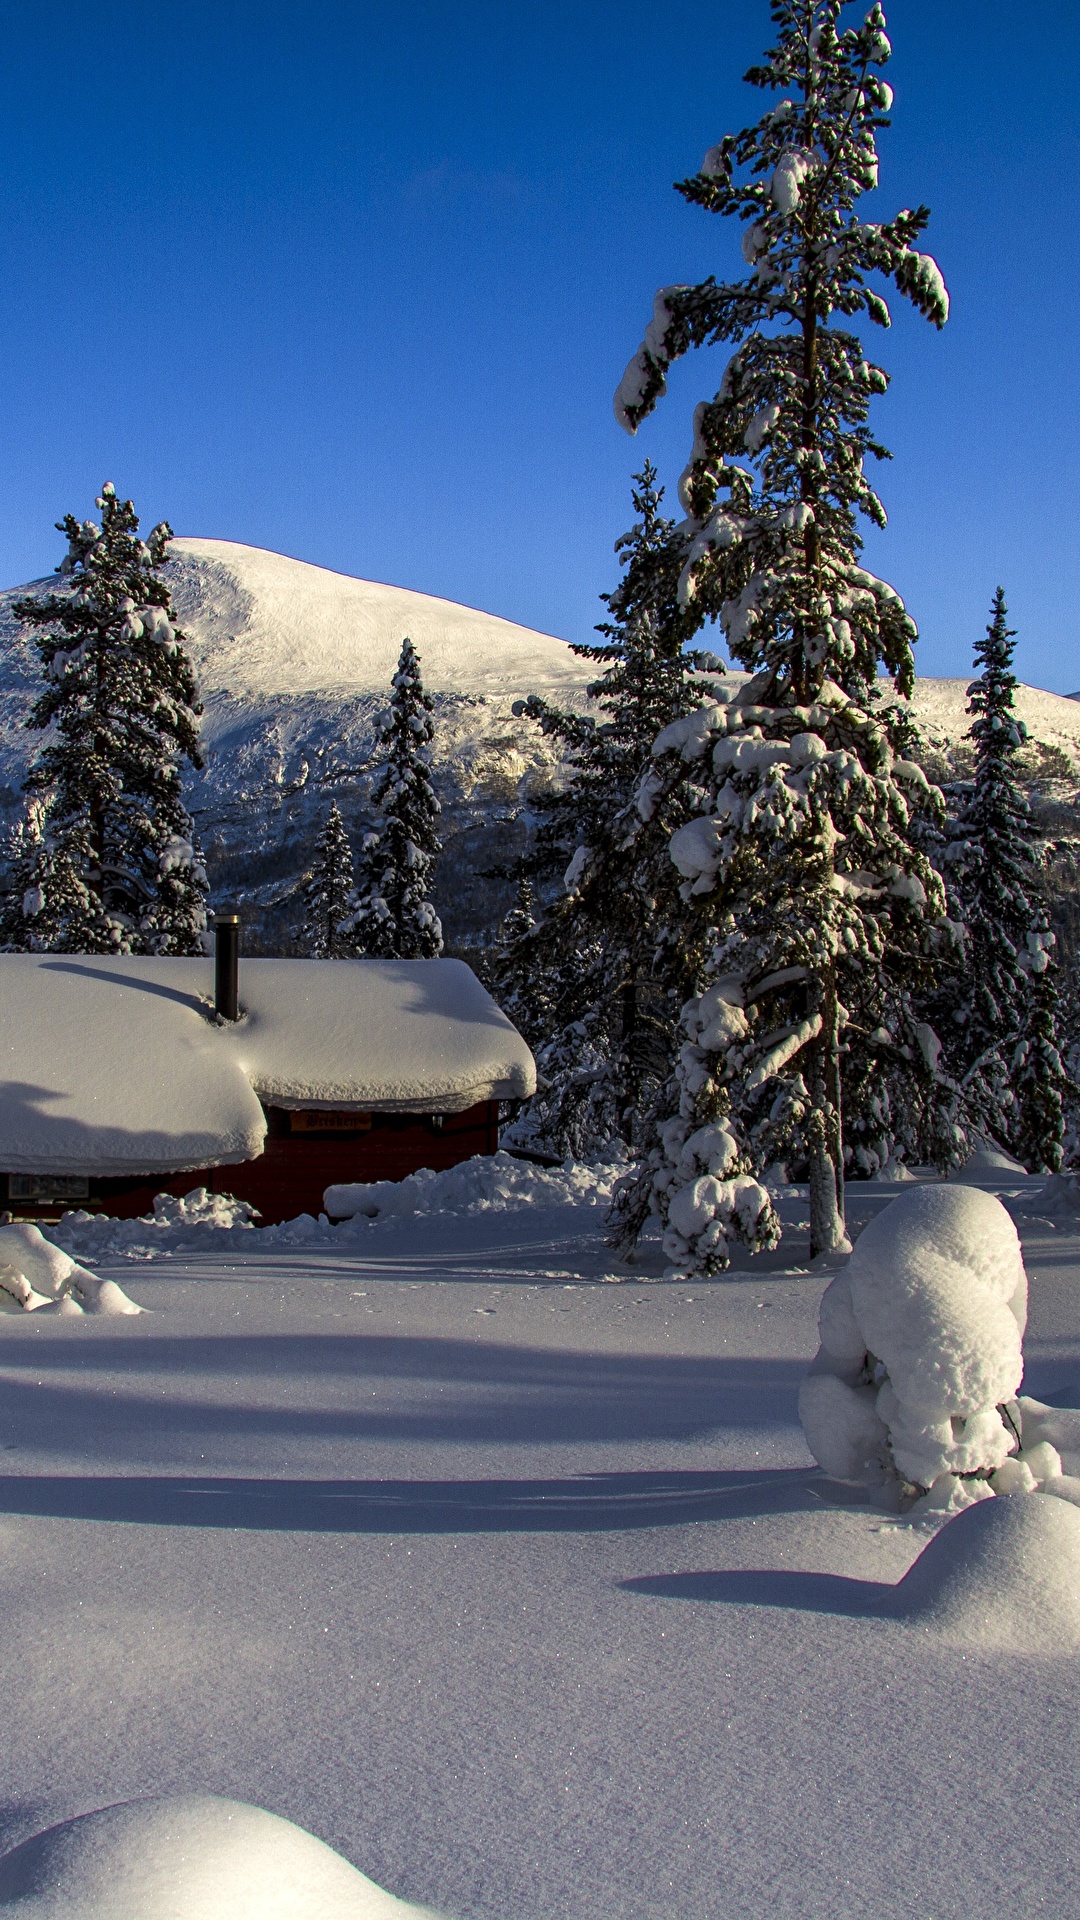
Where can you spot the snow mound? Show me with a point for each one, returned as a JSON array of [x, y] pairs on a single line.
[[173, 1224], [1058, 1199], [1004, 1574], [988, 1163], [921, 1346], [188, 1857], [488, 1183], [36, 1275]]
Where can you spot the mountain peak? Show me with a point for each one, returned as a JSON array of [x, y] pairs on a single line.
[[261, 623]]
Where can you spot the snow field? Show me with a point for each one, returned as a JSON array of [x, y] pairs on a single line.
[[521, 1592]]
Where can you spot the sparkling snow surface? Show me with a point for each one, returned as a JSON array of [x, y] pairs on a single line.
[[521, 1590]]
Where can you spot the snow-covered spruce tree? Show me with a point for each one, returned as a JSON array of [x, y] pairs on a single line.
[[116, 868], [517, 983], [329, 903], [21, 853], [394, 917], [802, 864], [614, 973], [1040, 1081], [990, 864]]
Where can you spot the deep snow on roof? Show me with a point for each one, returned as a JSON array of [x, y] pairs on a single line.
[[261, 623], [112, 1066]]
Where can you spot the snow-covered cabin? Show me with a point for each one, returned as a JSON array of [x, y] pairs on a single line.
[[119, 1079]]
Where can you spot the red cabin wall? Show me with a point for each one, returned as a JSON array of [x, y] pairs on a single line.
[[294, 1169]]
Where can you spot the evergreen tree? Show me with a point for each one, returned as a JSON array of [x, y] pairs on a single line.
[[116, 867], [821, 911], [22, 851], [1040, 1079], [328, 894], [518, 984], [990, 864], [394, 918], [614, 973]]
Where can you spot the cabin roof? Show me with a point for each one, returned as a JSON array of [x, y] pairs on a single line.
[[115, 1066]]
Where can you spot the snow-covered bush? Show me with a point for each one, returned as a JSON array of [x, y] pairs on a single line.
[[915, 1382], [38, 1276]]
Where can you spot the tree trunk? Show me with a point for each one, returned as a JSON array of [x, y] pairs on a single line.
[[827, 1228], [628, 1092]]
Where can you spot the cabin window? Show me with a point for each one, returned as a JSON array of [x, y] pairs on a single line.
[[48, 1186]]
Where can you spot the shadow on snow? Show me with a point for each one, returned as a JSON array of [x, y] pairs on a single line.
[[582, 1503]]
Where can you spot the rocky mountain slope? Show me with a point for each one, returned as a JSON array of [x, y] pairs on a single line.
[[295, 663]]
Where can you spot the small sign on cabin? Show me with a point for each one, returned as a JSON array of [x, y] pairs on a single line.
[[318, 1120]]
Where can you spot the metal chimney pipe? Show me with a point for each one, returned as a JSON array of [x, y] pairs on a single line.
[[227, 966]]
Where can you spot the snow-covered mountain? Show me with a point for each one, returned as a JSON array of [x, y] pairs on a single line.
[[264, 625], [295, 662]]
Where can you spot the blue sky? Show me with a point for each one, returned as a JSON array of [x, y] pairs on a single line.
[[356, 282]]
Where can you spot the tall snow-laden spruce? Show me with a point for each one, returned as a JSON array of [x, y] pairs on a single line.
[[115, 867], [823, 913], [990, 863], [604, 944], [395, 918], [329, 902]]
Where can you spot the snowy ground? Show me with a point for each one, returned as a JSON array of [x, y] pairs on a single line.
[[516, 1586]]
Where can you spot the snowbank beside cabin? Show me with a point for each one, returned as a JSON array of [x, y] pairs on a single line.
[[487, 1184], [491, 1183]]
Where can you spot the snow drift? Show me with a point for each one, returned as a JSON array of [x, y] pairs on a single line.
[[1002, 1575], [188, 1857], [488, 1183]]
